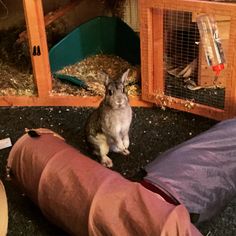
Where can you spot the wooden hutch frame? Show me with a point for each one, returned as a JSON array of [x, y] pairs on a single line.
[[35, 22], [152, 43]]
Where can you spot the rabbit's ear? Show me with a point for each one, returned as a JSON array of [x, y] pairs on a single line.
[[107, 80], [104, 77], [124, 76]]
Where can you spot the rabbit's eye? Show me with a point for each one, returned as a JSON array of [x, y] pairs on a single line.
[[110, 92]]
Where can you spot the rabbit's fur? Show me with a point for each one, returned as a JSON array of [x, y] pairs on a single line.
[[107, 128]]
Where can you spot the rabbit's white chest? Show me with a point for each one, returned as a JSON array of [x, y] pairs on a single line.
[[123, 119], [124, 123], [119, 122]]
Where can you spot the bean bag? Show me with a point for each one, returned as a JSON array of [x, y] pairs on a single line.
[[85, 198], [199, 173], [3, 211]]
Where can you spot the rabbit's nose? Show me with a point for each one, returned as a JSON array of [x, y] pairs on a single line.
[[120, 101]]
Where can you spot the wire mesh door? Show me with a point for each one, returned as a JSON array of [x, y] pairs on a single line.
[[175, 72]]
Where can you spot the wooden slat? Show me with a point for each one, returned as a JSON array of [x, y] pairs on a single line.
[[146, 46], [158, 50], [188, 106], [77, 101], [230, 92], [224, 9], [37, 37], [218, 18]]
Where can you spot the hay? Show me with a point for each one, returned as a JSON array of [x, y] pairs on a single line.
[[15, 83], [90, 69]]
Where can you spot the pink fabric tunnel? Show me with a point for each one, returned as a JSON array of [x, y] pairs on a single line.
[[85, 198]]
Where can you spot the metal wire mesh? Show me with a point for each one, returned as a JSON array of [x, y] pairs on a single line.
[[181, 58]]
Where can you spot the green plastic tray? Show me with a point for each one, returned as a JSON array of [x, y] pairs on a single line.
[[107, 35]]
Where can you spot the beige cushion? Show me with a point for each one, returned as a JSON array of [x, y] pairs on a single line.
[[3, 210]]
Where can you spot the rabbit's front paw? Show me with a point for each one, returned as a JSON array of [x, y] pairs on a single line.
[[125, 152], [106, 161]]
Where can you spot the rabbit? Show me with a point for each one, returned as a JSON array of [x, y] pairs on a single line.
[[107, 128]]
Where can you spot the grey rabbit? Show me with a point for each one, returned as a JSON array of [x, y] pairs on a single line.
[[107, 128]]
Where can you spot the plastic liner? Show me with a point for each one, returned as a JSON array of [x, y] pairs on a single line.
[[101, 35]]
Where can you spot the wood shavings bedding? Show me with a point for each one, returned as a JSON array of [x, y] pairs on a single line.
[[16, 83], [89, 69]]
